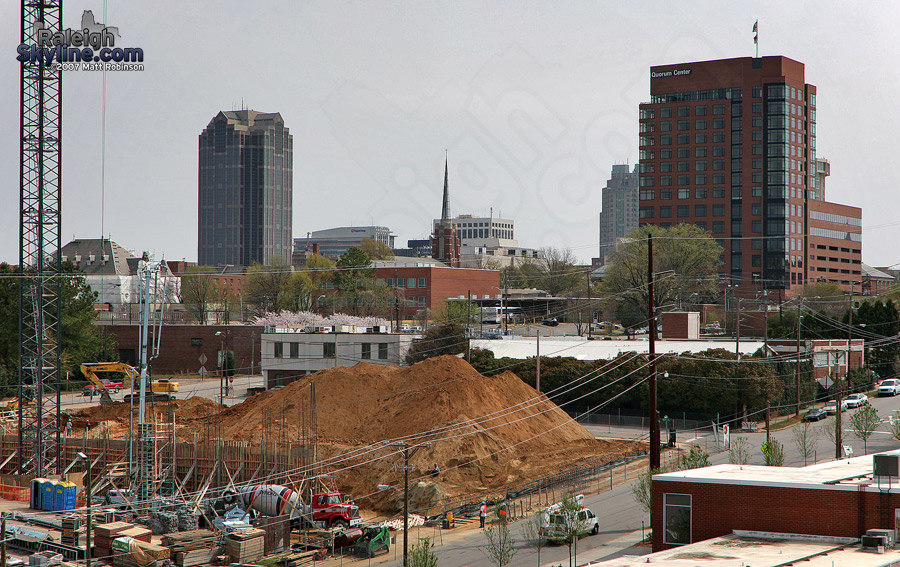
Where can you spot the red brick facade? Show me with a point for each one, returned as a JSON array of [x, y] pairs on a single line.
[[718, 509], [441, 283]]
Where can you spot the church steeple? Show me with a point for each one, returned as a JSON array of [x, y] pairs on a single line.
[[445, 210]]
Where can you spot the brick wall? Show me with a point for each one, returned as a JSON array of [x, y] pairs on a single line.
[[182, 345], [718, 509]]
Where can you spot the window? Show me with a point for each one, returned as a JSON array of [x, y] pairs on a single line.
[[756, 260], [701, 225], [665, 166], [718, 227], [279, 350], [684, 193], [665, 194], [295, 350], [700, 192], [718, 210], [718, 165], [684, 211], [756, 107], [665, 153], [699, 210], [700, 138], [645, 212], [665, 126], [718, 109], [684, 179], [756, 227], [684, 125], [700, 110], [684, 139], [757, 92], [757, 163], [756, 122], [756, 191], [664, 140], [328, 350], [411, 283], [756, 209], [423, 282], [699, 179], [718, 178], [665, 180], [700, 124], [401, 282], [718, 151], [718, 193], [756, 243], [196, 342], [390, 282], [700, 152], [684, 111], [366, 351], [665, 212], [718, 137], [423, 301], [382, 351], [718, 123], [684, 152]]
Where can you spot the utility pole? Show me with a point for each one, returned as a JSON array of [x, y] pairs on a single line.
[[3, 542], [504, 314], [590, 312], [737, 329], [537, 383], [468, 328], [654, 413], [838, 441], [406, 453], [797, 412]]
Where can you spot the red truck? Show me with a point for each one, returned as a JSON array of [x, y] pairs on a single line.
[[328, 509]]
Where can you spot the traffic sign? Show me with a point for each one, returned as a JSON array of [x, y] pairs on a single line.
[[202, 359], [202, 372]]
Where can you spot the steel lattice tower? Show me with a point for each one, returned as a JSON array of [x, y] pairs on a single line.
[[39, 241]]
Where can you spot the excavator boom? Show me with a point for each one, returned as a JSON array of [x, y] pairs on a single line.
[[90, 370]]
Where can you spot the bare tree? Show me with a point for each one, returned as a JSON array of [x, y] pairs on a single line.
[[201, 292], [805, 440], [531, 533], [864, 422], [739, 451], [642, 490], [501, 546]]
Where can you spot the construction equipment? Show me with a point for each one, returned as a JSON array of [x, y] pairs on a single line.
[[90, 370], [374, 541], [328, 509]]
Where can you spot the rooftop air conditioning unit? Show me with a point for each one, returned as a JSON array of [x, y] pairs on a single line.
[[886, 535], [886, 465]]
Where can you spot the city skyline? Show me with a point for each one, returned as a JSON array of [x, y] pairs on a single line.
[[533, 108]]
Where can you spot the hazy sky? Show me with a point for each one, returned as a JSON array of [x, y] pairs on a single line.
[[535, 102]]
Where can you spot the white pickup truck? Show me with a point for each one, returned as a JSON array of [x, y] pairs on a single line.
[[557, 525]]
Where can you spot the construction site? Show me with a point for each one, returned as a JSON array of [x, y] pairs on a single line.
[[343, 436]]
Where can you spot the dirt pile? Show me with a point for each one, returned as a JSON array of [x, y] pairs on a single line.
[[485, 433]]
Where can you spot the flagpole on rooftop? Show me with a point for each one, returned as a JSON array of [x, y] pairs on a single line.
[[756, 37]]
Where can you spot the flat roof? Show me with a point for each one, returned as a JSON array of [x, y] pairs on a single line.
[[761, 549], [598, 349], [844, 474]]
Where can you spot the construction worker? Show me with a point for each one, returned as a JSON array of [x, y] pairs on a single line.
[[482, 514], [69, 427]]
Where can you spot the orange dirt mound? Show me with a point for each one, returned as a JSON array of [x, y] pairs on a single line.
[[485, 433]]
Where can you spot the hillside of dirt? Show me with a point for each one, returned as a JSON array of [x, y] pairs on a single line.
[[485, 433]]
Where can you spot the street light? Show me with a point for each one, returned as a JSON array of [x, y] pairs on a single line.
[[87, 549]]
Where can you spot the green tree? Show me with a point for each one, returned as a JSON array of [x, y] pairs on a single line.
[[572, 527], [876, 321], [460, 311], [355, 279], [864, 422], [688, 254], [422, 554], [376, 250], [642, 490], [773, 453], [696, 458], [266, 290]]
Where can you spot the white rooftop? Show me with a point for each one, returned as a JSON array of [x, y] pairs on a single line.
[[583, 349], [743, 549], [844, 474]]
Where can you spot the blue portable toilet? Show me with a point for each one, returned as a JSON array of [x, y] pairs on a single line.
[[37, 492], [47, 495], [70, 494]]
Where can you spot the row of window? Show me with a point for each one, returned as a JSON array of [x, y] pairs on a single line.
[[329, 350], [409, 283], [836, 234], [836, 218], [709, 94], [703, 193]]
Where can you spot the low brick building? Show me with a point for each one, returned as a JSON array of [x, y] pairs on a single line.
[[838, 498], [181, 347]]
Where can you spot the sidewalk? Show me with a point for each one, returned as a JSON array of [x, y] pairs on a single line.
[[624, 545]]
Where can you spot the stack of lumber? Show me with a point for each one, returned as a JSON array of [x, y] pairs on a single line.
[[104, 534], [195, 547], [139, 533], [246, 546], [130, 552], [278, 533]]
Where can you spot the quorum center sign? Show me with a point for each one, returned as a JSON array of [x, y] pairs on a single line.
[[672, 73]]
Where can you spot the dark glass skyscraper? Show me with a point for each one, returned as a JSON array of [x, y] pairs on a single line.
[[245, 189]]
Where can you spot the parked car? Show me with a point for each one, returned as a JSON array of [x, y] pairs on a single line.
[[831, 406], [551, 322], [890, 387], [815, 414], [112, 386], [857, 400]]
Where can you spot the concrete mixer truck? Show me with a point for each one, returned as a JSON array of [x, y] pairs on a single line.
[[327, 509]]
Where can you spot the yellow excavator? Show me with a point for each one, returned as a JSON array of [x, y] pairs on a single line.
[[90, 370]]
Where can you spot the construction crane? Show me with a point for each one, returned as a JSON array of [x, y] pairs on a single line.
[[90, 370], [40, 206]]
